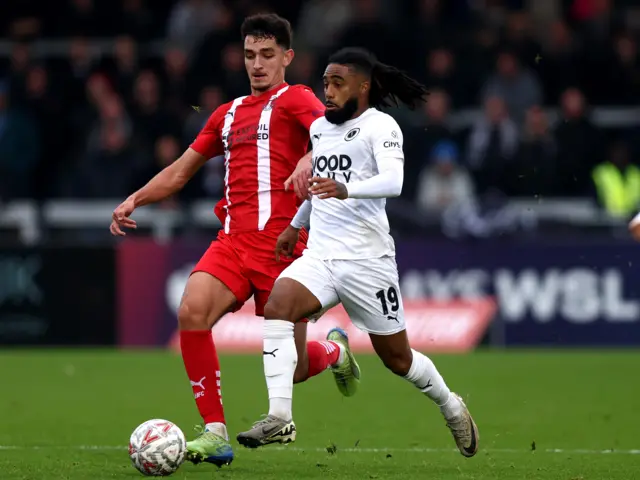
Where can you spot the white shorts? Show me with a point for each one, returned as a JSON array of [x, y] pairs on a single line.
[[368, 289]]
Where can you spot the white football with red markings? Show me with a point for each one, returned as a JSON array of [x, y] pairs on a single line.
[[157, 448]]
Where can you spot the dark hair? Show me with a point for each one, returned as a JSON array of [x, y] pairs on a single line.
[[389, 86], [268, 25]]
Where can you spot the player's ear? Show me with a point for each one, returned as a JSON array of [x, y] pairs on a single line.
[[288, 57], [365, 86]]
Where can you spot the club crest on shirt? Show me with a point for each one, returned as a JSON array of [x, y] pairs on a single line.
[[269, 105], [351, 134]]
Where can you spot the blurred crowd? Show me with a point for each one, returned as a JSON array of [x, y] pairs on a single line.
[[135, 80]]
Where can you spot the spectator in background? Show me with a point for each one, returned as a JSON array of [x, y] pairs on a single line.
[[330, 17], [80, 67], [113, 169], [442, 74], [138, 21], [233, 75], [190, 21], [166, 150], [97, 90], [150, 118], [579, 145], [303, 70], [518, 36], [624, 73], [617, 183], [18, 68], [492, 144], [533, 171], [47, 109], [19, 149], [444, 183], [420, 141], [595, 18], [595, 22], [514, 83], [80, 18], [206, 63], [477, 60], [369, 28], [125, 65], [176, 82], [211, 97], [26, 19], [559, 65], [429, 25], [81, 59], [111, 111]]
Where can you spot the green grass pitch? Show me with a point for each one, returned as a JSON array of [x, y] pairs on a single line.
[[69, 414]]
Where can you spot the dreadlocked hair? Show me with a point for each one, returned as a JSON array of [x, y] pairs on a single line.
[[389, 85]]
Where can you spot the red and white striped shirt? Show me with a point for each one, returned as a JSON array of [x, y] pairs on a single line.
[[262, 138]]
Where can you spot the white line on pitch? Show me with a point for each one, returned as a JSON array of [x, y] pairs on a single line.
[[575, 451]]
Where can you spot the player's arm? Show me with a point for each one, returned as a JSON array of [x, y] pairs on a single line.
[[386, 145], [306, 108], [386, 184], [300, 177], [301, 219], [287, 240], [172, 178]]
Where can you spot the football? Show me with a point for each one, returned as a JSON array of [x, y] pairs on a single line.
[[157, 448]]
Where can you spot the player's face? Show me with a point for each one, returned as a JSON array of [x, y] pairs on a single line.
[[265, 61], [343, 92]]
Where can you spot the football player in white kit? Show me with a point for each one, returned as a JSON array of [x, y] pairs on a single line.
[[350, 257]]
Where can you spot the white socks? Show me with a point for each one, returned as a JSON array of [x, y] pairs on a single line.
[[280, 360], [424, 375]]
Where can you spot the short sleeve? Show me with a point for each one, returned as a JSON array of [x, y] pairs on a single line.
[[305, 107], [208, 143], [386, 138]]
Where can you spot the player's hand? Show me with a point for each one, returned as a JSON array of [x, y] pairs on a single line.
[[120, 218], [286, 242], [299, 179], [327, 188]]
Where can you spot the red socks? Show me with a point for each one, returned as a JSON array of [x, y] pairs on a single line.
[[203, 369], [321, 356]]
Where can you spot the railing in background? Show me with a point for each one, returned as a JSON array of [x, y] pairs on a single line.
[[30, 219]]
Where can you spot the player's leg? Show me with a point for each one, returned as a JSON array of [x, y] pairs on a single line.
[[303, 289], [333, 353], [369, 291], [418, 369], [289, 302], [215, 288], [313, 357]]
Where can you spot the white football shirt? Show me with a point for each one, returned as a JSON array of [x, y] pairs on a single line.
[[357, 150]]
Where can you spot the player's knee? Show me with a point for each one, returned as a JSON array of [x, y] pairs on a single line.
[[278, 309], [398, 362], [190, 318]]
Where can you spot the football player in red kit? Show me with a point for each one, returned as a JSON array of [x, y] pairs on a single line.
[[261, 136]]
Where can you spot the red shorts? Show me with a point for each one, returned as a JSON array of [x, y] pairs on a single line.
[[245, 262]]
